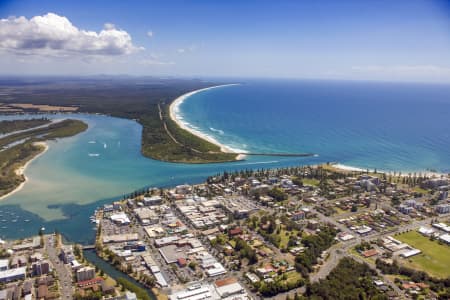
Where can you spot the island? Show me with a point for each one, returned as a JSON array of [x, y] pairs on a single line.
[[19, 148]]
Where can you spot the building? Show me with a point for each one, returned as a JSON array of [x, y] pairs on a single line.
[[13, 274], [405, 209], [445, 238], [67, 255], [443, 195], [298, 215], [146, 216], [86, 273], [41, 268], [4, 264], [443, 208], [153, 200], [120, 219]]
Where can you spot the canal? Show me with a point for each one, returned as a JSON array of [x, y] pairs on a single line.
[[92, 257]]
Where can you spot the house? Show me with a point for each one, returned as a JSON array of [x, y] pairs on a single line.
[[235, 231]]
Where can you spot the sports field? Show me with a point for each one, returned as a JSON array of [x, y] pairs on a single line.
[[435, 257]]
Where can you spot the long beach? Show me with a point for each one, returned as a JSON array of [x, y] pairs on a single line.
[[174, 115]]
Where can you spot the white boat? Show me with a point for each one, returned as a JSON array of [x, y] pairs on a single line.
[[94, 154], [92, 142]]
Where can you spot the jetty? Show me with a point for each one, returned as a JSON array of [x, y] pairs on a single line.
[[278, 154]]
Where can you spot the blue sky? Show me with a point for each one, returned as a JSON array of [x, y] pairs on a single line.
[[379, 40]]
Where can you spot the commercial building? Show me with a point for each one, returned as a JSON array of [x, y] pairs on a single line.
[[13, 274]]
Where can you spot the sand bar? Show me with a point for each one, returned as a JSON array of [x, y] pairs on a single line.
[[21, 170]]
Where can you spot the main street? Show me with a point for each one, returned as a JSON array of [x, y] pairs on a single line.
[[63, 271]]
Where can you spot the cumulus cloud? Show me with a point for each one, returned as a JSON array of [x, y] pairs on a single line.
[[52, 34]]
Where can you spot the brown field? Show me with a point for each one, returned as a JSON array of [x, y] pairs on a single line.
[[44, 108]]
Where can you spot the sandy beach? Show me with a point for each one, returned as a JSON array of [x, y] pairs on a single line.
[[356, 169], [21, 170], [174, 110]]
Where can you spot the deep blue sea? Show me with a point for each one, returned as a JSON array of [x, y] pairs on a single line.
[[368, 125], [388, 126]]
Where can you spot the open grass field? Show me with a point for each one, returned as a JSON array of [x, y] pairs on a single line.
[[435, 257], [313, 182]]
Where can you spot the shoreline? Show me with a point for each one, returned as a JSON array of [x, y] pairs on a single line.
[[174, 110], [20, 171], [348, 168]]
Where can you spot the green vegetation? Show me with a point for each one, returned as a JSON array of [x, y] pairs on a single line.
[[61, 129], [16, 156], [10, 160], [349, 280], [310, 181], [277, 194], [280, 284], [438, 285], [315, 244], [140, 292], [435, 257], [245, 251], [178, 145], [8, 126], [145, 100]]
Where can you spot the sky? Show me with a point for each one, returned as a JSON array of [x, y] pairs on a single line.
[[404, 40]]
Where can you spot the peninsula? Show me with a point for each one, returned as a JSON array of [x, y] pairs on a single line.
[[147, 102]]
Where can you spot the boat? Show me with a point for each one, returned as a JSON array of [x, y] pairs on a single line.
[[94, 154], [92, 142]]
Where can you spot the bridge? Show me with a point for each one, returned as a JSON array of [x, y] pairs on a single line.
[[88, 247]]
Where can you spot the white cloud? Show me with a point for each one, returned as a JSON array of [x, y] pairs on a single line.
[[191, 48], [155, 59], [150, 33], [55, 35]]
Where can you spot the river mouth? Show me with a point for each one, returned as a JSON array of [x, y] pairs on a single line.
[[67, 183]]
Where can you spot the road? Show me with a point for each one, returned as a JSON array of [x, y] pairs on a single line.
[[342, 249], [63, 271]]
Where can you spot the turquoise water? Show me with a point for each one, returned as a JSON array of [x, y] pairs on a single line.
[[66, 184], [374, 125]]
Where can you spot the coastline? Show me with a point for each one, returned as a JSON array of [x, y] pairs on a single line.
[[347, 168], [20, 171], [174, 110]]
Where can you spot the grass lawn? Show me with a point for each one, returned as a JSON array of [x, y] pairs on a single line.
[[420, 190], [434, 259], [313, 182], [285, 238]]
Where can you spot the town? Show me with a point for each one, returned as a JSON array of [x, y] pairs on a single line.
[[283, 234]]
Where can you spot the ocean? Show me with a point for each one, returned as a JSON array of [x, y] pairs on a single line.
[[368, 125], [388, 126]]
